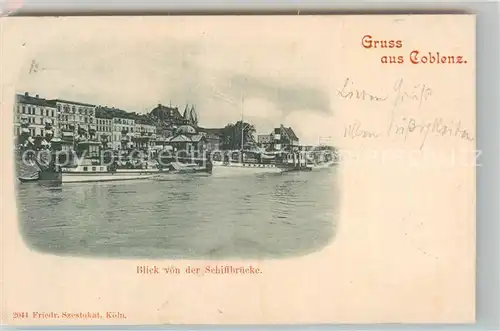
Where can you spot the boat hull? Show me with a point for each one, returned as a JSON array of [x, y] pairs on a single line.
[[236, 169], [87, 177], [326, 165], [176, 176], [27, 180], [44, 176]]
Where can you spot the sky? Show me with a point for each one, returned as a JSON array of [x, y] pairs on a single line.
[[269, 79]]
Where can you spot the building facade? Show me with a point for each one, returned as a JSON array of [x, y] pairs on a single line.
[[187, 140], [213, 137], [265, 140], [284, 138], [39, 114], [123, 130], [73, 122], [104, 127], [76, 119], [144, 136]]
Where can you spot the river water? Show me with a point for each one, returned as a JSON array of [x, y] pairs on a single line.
[[239, 217]]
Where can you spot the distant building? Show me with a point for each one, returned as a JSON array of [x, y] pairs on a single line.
[[213, 137], [284, 138], [265, 140], [168, 114], [190, 116], [36, 113], [187, 139]]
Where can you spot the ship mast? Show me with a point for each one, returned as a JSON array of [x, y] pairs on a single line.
[[242, 124]]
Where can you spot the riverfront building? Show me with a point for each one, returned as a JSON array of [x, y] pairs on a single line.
[[36, 112], [144, 136], [213, 137], [112, 128], [104, 124], [76, 119], [186, 138], [123, 130], [265, 140], [281, 138], [284, 139]]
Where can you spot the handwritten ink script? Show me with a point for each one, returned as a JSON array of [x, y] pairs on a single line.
[[414, 96], [399, 93], [349, 91], [355, 130], [409, 126], [419, 93], [35, 67]]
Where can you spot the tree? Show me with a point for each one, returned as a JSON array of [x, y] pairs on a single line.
[[232, 134]]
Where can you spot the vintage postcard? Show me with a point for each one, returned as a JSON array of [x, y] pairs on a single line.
[[238, 169]]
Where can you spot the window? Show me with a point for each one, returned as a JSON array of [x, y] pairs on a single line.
[[93, 168], [85, 168], [24, 109]]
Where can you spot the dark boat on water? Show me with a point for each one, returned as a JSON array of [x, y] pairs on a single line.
[[28, 179], [296, 168], [48, 173]]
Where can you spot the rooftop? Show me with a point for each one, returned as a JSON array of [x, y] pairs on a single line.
[[73, 102], [34, 100]]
